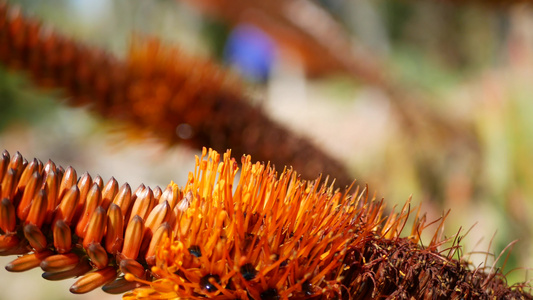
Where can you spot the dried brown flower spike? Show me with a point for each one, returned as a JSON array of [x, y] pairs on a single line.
[[161, 91], [269, 237]]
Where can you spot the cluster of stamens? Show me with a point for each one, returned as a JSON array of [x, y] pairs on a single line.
[[269, 238]]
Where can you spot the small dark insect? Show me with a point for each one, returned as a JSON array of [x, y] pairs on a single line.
[[195, 250], [248, 271], [205, 282]]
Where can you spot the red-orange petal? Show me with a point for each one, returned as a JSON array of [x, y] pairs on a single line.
[[60, 262], [98, 255], [35, 237], [94, 197], [115, 229], [62, 237], [80, 269], [28, 261], [96, 227], [37, 213], [8, 218], [109, 192], [30, 190], [67, 207], [131, 266], [133, 238], [93, 280]]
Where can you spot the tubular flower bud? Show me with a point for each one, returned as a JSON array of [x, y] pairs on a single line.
[[60, 262], [62, 236], [93, 280], [115, 229], [8, 218]]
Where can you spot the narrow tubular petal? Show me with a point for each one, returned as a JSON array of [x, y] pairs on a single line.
[[26, 175], [50, 166], [51, 187], [29, 192], [9, 184], [7, 243], [133, 267], [69, 179], [98, 255], [94, 197], [81, 268], [38, 207], [67, 207], [167, 196], [157, 192], [35, 237], [60, 262], [84, 185], [99, 181], [7, 216], [96, 227], [160, 235], [93, 280], [124, 198], [28, 261], [133, 238], [120, 286], [143, 204], [138, 191], [4, 162], [115, 229], [62, 236], [109, 192], [17, 162], [157, 216]]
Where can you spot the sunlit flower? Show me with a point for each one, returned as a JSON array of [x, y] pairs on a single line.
[[262, 236]]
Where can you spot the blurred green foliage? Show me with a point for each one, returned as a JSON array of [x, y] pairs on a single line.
[[21, 102]]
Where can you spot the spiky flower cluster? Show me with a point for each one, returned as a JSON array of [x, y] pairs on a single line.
[[161, 91], [269, 236], [277, 237], [71, 226]]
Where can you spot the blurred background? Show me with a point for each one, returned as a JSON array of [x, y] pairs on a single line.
[[429, 99]]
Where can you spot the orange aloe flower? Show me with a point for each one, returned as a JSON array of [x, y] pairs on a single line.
[[265, 235]]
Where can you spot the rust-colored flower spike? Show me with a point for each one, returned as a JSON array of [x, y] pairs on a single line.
[[269, 236], [159, 90]]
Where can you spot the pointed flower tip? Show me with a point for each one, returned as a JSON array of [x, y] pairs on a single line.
[[28, 261], [60, 262], [93, 280]]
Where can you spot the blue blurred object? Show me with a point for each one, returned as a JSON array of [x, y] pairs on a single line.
[[251, 51]]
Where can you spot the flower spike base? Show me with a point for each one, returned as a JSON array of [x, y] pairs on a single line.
[[265, 236]]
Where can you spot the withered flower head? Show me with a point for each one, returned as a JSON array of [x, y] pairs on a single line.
[[261, 236]]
